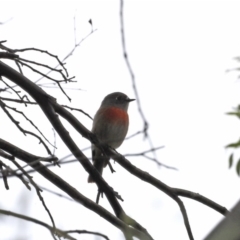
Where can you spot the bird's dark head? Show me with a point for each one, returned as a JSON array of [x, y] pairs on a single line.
[[117, 99]]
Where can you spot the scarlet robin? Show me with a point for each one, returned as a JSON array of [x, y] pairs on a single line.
[[110, 124]]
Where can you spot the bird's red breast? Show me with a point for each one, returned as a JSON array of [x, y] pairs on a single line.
[[115, 115]]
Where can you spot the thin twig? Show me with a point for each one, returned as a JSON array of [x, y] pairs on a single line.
[[37, 50], [19, 69], [55, 141], [150, 158], [134, 134], [17, 101], [75, 29], [48, 67], [71, 191], [9, 171], [4, 106], [38, 190], [4, 175], [52, 230], [31, 122], [16, 92], [49, 159], [153, 181], [55, 162], [70, 53], [88, 232], [145, 123], [57, 194], [79, 110]]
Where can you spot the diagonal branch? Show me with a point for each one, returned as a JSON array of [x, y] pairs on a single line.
[[60, 63], [4, 175], [50, 108], [200, 198], [4, 108], [17, 101], [79, 110], [38, 189], [67, 188], [13, 173], [153, 181], [52, 230], [87, 232]]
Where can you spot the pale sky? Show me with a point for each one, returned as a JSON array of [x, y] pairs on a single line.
[[179, 51]]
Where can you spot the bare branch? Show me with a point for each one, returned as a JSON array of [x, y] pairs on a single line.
[[153, 181], [133, 135], [38, 190], [52, 230], [4, 175], [8, 55], [70, 53], [88, 232], [145, 123], [46, 76], [20, 176], [4, 106], [16, 92], [50, 108], [17, 101], [19, 69], [71, 191], [57, 194], [37, 50], [75, 30], [145, 128], [79, 110], [198, 197], [22, 61], [52, 159], [48, 67], [54, 85], [5, 155], [153, 159]]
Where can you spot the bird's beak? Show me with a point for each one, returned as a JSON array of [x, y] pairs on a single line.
[[130, 100]]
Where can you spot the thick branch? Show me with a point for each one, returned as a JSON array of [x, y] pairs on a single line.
[[63, 185], [49, 106], [153, 181]]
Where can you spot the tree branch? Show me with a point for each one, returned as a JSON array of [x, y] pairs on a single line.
[[52, 230], [50, 107], [71, 191]]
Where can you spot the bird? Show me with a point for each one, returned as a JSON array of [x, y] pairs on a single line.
[[110, 125]]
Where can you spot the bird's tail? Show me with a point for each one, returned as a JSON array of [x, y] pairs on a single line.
[[99, 162]]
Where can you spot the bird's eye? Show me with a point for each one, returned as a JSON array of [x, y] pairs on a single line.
[[118, 98]]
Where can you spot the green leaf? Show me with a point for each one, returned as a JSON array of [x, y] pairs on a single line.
[[234, 145], [230, 160], [238, 168], [234, 114]]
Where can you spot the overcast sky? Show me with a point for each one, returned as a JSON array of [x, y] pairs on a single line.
[[179, 51]]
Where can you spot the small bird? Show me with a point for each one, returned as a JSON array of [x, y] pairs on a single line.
[[110, 124]]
